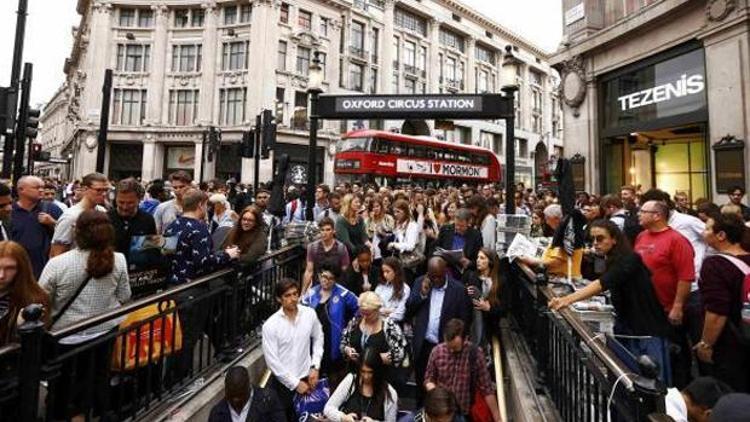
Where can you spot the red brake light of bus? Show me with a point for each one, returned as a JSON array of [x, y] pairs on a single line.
[[348, 164]]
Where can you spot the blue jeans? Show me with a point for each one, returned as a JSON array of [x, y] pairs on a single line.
[[629, 347]]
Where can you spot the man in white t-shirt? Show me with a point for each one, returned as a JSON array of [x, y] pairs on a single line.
[[94, 195], [694, 402]]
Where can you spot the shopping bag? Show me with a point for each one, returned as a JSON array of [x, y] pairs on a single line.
[[161, 337], [314, 401], [480, 412]]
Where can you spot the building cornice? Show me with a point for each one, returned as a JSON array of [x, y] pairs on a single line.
[[490, 24]]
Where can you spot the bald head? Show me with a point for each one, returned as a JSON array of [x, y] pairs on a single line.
[[436, 271], [30, 188]]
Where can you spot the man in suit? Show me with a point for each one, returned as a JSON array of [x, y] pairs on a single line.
[[435, 299], [461, 236], [245, 403]]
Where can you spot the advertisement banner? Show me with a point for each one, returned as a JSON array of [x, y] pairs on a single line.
[[436, 168], [181, 158]]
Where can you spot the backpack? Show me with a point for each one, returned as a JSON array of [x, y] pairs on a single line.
[[631, 228], [744, 328]]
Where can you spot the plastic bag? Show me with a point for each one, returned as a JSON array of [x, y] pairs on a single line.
[[313, 402]]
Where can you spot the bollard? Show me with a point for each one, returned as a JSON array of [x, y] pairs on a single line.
[[32, 340]]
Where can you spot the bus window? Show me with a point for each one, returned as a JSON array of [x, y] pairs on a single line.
[[398, 148], [379, 146], [353, 144], [431, 153]]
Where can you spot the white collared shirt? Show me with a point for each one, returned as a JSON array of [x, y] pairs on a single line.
[[286, 345], [436, 308], [242, 416], [692, 228]]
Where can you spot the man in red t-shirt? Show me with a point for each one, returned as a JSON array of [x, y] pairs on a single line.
[[669, 257]]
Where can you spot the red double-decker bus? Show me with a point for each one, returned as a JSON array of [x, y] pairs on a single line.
[[390, 159]]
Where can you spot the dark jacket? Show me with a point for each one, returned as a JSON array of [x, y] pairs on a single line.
[[264, 408], [456, 304], [497, 311], [472, 245], [353, 280]]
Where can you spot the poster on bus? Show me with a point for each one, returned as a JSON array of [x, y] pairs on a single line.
[[438, 168]]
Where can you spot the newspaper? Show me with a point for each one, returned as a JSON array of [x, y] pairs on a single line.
[[523, 246]]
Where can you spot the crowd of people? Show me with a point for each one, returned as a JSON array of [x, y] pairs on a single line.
[[402, 283]]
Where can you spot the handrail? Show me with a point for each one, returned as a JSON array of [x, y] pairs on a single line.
[[600, 350], [167, 294], [500, 391]]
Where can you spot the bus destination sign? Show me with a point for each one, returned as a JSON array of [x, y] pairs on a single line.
[[481, 106]]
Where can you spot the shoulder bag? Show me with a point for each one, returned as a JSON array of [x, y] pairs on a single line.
[[70, 302]]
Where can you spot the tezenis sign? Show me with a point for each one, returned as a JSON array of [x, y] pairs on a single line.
[[686, 85]]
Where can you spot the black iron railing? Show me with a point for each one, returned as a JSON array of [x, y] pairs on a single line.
[[219, 315], [582, 377]]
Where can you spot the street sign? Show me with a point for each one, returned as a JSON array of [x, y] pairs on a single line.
[[437, 106]]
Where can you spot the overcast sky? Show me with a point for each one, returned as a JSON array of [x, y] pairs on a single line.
[[49, 41]]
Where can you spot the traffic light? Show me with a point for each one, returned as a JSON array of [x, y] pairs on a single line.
[[32, 123], [7, 110], [248, 144], [269, 134], [37, 154], [214, 142]]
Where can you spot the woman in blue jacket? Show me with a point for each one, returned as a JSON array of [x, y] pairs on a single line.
[[335, 306]]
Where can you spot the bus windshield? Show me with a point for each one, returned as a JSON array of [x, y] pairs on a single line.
[[353, 144]]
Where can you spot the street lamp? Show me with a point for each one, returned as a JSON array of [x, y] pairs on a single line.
[[314, 88], [509, 82]]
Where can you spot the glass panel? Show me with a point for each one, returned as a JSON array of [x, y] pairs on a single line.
[[671, 157], [353, 144], [699, 183], [612, 157], [698, 155], [672, 182]]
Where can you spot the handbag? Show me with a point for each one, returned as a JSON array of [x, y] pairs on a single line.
[[160, 337], [70, 302]]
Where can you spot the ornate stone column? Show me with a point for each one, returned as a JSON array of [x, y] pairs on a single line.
[[209, 65], [471, 64], [386, 62], [434, 59], [157, 70]]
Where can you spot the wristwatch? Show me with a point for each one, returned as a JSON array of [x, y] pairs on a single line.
[[703, 345]]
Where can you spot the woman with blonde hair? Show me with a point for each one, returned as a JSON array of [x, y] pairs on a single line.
[[18, 289], [350, 227]]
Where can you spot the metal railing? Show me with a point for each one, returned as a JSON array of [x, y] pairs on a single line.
[[129, 371], [580, 374]]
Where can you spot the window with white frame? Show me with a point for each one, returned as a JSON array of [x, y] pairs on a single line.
[[197, 16], [126, 17], [373, 80], [485, 139], [304, 20], [234, 55], [482, 81], [303, 60], [230, 14], [133, 57], [246, 13], [395, 84], [484, 54], [131, 17], [281, 61], [183, 106], [232, 106], [357, 41], [451, 39], [325, 23], [422, 58], [410, 86], [145, 18], [407, 20], [356, 72], [522, 148], [284, 13], [375, 43], [128, 107], [410, 52], [322, 57], [397, 51], [186, 57], [451, 69]]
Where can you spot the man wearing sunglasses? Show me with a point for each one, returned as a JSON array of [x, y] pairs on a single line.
[[94, 196]]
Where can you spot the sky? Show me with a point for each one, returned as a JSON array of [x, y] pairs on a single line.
[[49, 41]]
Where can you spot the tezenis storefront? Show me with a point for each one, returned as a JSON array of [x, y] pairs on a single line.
[[653, 124]]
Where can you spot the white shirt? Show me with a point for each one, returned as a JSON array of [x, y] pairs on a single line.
[[385, 291], [242, 416], [675, 405], [286, 345], [618, 217], [692, 228]]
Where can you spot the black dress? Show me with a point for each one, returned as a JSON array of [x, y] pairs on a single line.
[[364, 406]]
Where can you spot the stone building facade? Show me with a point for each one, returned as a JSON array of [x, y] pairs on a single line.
[[655, 94], [182, 66]]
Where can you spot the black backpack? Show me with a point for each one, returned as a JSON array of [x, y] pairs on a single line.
[[631, 227]]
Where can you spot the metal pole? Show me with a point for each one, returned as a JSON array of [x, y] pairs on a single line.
[[104, 121], [510, 153], [257, 138], [23, 116], [14, 75], [312, 157], [32, 343], [203, 153]]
